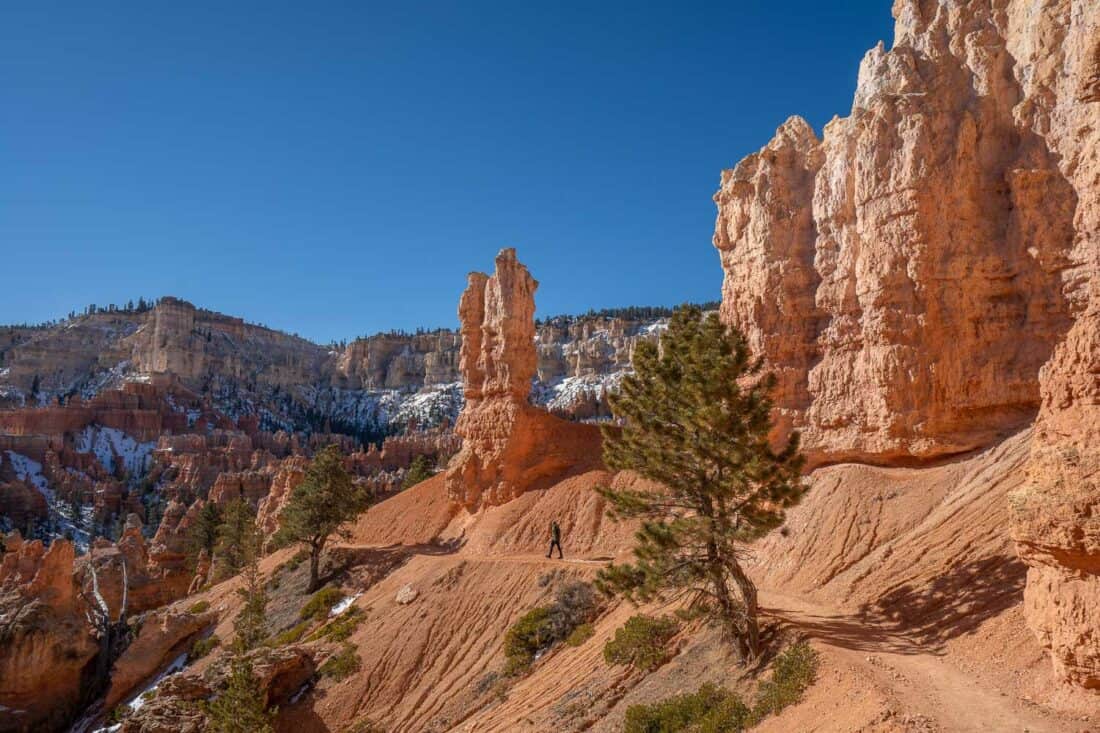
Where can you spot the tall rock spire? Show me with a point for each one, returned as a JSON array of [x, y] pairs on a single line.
[[508, 445]]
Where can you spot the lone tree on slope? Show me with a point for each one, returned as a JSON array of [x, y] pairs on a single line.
[[324, 500], [695, 418]]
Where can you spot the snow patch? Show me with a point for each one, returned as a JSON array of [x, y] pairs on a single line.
[[31, 471], [111, 444], [343, 605]]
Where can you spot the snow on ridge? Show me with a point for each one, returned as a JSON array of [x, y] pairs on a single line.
[[30, 470], [111, 443]]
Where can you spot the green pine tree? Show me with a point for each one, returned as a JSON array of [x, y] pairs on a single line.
[[238, 523], [695, 418], [251, 622], [324, 500], [419, 470], [203, 534], [242, 705]]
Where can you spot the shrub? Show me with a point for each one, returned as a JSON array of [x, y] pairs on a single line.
[[341, 665], [199, 607], [202, 647], [581, 634], [291, 635], [641, 642], [709, 710], [794, 671], [340, 628], [528, 636], [540, 628], [574, 604], [321, 603]]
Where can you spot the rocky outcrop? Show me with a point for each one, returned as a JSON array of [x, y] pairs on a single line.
[[400, 361], [283, 483], [44, 643], [163, 635], [279, 672], [508, 446], [921, 278]]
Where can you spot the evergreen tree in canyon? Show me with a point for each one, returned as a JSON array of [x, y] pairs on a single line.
[[203, 535], [238, 523], [251, 622], [242, 706], [695, 417], [324, 500]]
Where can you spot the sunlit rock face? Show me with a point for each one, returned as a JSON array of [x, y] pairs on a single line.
[[508, 445], [921, 278]]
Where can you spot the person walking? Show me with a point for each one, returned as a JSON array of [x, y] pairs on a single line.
[[555, 539]]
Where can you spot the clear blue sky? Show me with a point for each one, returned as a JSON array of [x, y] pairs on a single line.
[[337, 168]]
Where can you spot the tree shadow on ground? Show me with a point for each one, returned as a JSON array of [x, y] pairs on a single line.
[[918, 618], [847, 631], [954, 603]]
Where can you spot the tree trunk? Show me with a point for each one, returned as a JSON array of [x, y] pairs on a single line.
[[314, 563], [748, 596], [726, 604]]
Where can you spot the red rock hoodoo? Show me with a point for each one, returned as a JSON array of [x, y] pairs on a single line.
[[509, 446]]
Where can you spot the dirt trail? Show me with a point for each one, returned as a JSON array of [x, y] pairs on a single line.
[[930, 690]]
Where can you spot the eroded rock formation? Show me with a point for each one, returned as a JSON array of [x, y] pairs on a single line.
[[922, 278], [509, 446], [46, 644]]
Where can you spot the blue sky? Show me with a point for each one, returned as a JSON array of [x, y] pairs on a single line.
[[335, 169]]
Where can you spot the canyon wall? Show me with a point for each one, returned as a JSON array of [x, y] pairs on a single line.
[[921, 277]]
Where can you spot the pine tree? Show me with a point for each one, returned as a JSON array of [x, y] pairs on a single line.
[[324, 500], [242, 705], [251, 622], [419, 470], [238, 522], [203, 534], [695, 417]]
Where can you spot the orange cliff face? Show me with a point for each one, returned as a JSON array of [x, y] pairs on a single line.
[[508, 445], [923, 278]]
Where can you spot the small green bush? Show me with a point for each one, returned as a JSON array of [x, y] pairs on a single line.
[[709, 710], [532, 633], [794, 671], [321, 603], [199, 607], [341, 627], [581, 634], [202, 647], [341, 665], [715, 710], [641, 642], [291, 635], [574, 604]]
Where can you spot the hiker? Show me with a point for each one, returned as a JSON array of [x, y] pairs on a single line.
[[555, 539]]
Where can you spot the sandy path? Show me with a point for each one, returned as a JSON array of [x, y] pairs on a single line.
[[923, 682]]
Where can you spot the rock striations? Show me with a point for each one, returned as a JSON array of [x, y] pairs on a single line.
[[508, 445], [923, 277]]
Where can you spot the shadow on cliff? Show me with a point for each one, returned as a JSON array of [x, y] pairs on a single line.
[[953, 604]]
